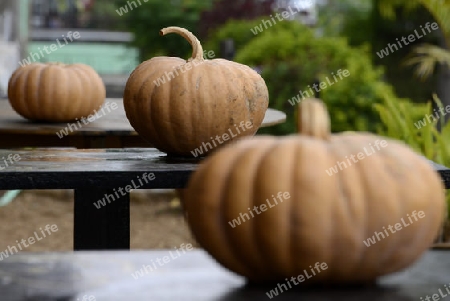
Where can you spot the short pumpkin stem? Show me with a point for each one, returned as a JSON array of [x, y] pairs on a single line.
[[197, 49], [313, 119]]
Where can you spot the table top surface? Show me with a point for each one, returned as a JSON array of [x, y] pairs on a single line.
[[192, 275], [114, 122], [53, 168]]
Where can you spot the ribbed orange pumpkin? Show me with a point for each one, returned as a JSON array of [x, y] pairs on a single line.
[[179, 106], [55, 92], [308, 216]]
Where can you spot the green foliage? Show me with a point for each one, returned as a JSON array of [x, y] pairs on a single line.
[[238, 30], [426, 57], [342, 17], [401, 122], [292, 58], [388, 8], [148, 19]]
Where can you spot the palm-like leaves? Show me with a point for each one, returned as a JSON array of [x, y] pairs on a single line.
[[425, 57]]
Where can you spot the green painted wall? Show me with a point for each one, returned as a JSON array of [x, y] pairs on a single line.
[[104, 58]]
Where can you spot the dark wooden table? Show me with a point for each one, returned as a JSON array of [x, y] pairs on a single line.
[[193, 276], [96, 173], [93, 174], [111, 130]]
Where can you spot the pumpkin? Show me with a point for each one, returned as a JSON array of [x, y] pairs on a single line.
[[55, 92], [309, 218], [182, 106]]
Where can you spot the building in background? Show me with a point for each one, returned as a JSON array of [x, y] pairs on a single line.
[[13, 38], [307, 10]]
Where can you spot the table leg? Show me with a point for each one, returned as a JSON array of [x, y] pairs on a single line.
[[101, 228]]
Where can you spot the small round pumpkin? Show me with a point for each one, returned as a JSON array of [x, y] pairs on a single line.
[[180, 106], [320, 218], [55, 92]]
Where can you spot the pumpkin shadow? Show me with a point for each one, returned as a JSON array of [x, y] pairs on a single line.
[[370, 292], [37, 122]]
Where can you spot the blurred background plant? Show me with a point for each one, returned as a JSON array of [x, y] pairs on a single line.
[[430, 56], [416, 124], [425, 56], [429, 60], [413, 124], [146, 20], [292, 58]]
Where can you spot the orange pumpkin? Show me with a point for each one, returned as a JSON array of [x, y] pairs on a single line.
[[310, 215], [55, 92], [180, 106]]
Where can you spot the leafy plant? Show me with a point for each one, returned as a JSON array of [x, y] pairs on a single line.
[[146, 20], [341, 17], [407, 121], [426, 56], [292, 58], [401, 121]]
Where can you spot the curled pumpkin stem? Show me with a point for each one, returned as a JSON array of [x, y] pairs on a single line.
[[197, 49], [313, 119]]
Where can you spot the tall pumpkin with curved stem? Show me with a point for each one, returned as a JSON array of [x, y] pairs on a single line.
[[327, 218], [180, 106]]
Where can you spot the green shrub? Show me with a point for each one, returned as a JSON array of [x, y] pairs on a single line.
[[292, 58], [401, 121], [238, 30]]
